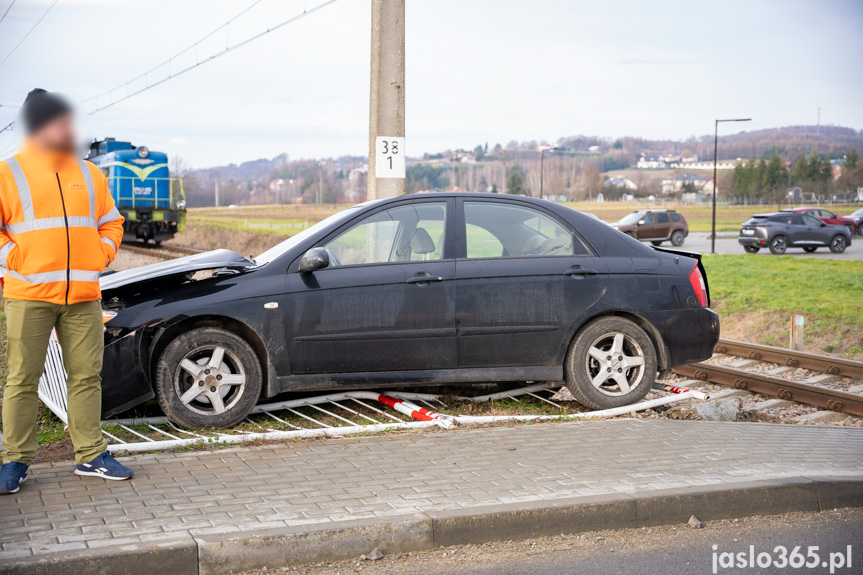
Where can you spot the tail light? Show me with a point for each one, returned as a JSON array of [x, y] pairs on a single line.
[[697, 281]]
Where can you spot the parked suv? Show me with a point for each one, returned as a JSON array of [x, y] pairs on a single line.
[[827, 217], [782, 230], [656, 226]]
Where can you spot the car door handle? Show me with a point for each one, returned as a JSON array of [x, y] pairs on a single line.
[[424, 279], [580, 271]]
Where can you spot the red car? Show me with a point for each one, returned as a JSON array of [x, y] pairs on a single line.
[[827, 217]]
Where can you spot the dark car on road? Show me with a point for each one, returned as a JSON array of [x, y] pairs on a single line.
[[782, 230], [655, 226], [857, 217], [426, 289], [827, 217]]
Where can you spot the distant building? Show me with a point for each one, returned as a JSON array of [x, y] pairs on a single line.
[[621, 182], [650, 163], [675, 185], [593, 149], [277, 186]]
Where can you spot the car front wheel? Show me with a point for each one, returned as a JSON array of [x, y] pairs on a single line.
[[611, 363], [208, 377], [838, 244], [677, 238], [751, 249], [778, 245]]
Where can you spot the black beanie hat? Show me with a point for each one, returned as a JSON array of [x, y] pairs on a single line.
[[40, 107]]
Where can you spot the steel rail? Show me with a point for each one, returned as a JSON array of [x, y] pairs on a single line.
[[791, 358], [787, 389], [161, 252]]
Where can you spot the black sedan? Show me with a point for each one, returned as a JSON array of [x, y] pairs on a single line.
[[425, 290]]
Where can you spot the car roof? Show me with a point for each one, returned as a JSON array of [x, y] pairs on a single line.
[[475, 195]]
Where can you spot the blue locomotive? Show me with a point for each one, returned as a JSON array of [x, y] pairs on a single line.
[[152, 202]]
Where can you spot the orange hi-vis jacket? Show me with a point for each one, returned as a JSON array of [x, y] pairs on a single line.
[[59, 227]]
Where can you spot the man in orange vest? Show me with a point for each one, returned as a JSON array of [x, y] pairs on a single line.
[[59, 229]]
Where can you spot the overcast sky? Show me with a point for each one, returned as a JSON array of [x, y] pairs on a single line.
[[477, 71]]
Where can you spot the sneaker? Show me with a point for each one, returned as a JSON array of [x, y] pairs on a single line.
[[12, 475], [104, 466]]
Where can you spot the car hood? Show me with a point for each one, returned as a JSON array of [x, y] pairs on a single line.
[[176, 269]]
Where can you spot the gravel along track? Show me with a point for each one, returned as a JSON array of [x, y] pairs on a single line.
[[762, 407]]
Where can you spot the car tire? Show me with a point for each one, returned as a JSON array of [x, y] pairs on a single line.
[[656, 242], [751, 249], [838, 244], [587, 361], [810, 249], [227, 391], [778, 245], [677, 238]]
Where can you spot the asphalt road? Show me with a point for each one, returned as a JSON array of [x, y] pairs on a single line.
[[698, 242], [672, 550]]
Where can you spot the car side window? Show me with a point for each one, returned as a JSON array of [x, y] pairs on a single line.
[[675, 217], [403, 233], [495, 230], [662, 218], [811, 221], [827, 214], [794, 220], [648, 219]]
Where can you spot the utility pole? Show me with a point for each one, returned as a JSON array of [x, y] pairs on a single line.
[[387, 101]]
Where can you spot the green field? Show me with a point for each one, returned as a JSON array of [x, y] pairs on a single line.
[[756, 297]]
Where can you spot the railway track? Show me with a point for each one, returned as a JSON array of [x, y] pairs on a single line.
[[769, 384], [163, 252]]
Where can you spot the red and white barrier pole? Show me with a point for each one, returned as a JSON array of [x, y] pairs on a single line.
[[672, 389], [415, 411]]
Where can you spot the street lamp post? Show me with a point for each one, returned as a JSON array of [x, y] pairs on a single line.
[[715, 147], [542, 152]]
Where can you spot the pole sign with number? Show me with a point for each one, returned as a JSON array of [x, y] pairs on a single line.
[[390, 160]]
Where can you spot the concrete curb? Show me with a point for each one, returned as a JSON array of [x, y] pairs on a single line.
[[180, 557], [232, 553]]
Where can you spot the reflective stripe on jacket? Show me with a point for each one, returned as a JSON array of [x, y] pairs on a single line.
[[59, 227]]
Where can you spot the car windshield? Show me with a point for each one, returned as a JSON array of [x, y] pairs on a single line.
[[289, 243], [631, 218], [858, 213]]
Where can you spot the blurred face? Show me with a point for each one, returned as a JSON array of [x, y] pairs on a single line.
[[58, 135]]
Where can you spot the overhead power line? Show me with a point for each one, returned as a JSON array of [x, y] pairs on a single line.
[[3, 17], [39, 21], [128, 89]]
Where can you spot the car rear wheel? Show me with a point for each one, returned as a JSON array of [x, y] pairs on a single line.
[[656, 242], [778, 245], [810, 249], [838, 244], [611, 363], [208, 377], [751, 249], [677, 238]]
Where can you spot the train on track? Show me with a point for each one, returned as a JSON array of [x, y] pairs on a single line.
[[152, 202]]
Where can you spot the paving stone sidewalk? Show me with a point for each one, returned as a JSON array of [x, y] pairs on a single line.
[[176, 497]]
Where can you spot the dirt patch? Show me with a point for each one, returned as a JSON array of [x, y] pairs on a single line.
[[242, 242]]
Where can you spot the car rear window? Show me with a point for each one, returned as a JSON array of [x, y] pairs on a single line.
[[754, 220]]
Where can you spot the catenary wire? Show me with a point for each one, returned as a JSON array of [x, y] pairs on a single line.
[[39, 21]]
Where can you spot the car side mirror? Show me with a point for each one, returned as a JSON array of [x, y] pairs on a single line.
[[823, 225], [640, 222], [314, 259]]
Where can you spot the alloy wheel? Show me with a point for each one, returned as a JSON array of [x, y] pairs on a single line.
[[210, 380], [778, 245], [615, 364]]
